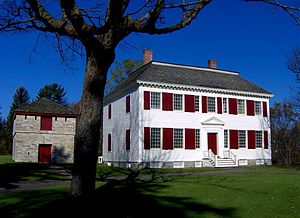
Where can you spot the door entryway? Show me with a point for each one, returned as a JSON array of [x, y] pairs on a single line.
[[212, 142], [44, 153]]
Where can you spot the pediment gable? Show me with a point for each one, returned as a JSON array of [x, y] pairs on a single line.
[[213, 121]]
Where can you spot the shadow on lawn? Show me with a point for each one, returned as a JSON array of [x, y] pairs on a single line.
[[129, 197]]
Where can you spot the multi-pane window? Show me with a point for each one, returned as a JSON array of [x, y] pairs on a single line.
[[178, 138], [242, 139], [155, 100], [197, 139], [225, 138], [241, 106], [197, 107], [177, 102], [211, 104], [257, 107], [155, 139], [224, 105], [258, 139]]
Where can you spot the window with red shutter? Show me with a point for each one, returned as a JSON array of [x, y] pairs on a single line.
[[46, 123], [219, 105], [251, 139], [232, 105], [167, 101], [127, 139], [234, 140], [190, 139], [189, 103], [146, 100], [266, 140], [204, 104], [109, 142], [265, 110], [146, 138], [167, 138], [250, 108], [109, 111], [128, 104]]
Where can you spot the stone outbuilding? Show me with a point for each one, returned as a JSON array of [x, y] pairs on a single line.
[[44, 131]]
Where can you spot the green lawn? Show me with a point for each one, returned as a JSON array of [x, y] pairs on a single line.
[[263, 194]]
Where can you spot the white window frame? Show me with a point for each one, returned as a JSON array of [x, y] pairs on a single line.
[[151, 93], [174, 100], [257, 145], [239, 105], [239, 144], [160, 140], [260, 108], [183, 135], [197, 109], [211, 107], [226, 133], [226, 105], [197, 141]]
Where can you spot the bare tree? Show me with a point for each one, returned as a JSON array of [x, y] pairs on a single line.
[[294, 66], [99, 28]]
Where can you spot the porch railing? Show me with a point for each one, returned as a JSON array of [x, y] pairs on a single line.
[[229, 154]]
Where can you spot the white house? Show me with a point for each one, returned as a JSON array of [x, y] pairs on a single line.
[[173, 115]]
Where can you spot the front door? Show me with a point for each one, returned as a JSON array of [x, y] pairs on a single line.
[[212, 142], [44, 153]]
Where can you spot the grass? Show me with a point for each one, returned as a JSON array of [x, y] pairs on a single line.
[[262, 194]]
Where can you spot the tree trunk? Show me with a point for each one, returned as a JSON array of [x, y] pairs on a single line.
[[89, 122]]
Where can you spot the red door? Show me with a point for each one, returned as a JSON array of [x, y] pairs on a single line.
[[44, 153], [212, 142]]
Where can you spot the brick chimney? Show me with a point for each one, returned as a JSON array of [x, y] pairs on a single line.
[[147, 56], [212, 64]]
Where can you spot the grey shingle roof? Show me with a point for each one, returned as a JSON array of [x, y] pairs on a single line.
[[45, 106], [158, 72]]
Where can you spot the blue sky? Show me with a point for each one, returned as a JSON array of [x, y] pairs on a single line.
[[251, 38]]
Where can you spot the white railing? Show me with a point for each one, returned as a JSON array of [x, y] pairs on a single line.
[[229, 154], [210, 155]]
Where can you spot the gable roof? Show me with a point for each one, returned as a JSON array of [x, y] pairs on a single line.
[[168, 73], [44, 106]]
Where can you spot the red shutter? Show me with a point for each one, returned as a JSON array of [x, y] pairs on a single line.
[[109, 111], [167, 101], [189, 103], [167, 138], [266, 140], [190, 139], [128, 104], [204, 104], [265, 111], [251, 139], [46, 123], [232, 105], [234, 139], [250, 108], [146, 100], [219, 101], [109, 142], [147, 138], [127, 139]]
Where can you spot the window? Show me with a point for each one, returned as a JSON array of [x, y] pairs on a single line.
[[128, 104], [177, 102], [197, 107], [242, 139], [197, 141], [241, 106], [109, 142], [127, 145], [258, 139], [211, 104], [109, 111], [46, 123], [224, 105], [225, 138], [257, 107], [178, 138], [155, 139], [155, 100]]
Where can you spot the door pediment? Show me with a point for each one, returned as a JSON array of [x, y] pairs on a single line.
[[213, 121]]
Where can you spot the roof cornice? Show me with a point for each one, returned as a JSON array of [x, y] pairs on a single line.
[[203, 89]]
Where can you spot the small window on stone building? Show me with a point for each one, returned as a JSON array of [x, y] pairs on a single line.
[[46, 123]]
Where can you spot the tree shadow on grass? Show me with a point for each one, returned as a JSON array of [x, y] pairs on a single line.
[[131, 197]]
